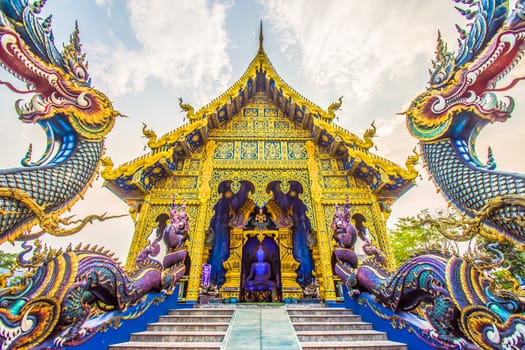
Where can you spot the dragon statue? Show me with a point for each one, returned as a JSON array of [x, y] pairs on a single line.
[[190, 111], [334, 106], [66, 296], [344, 257], [461, 99], [456, 302], [74, 116], [175, 235], [458, 305]]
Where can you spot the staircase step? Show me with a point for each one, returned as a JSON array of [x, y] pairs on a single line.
[[327, 326], [327, 318], [334, 336], [315, 327], [194, 318], [198, 328], [319, 311], [202, 311], [355, 345], [261, 328], [184, 336], [167, 345], [187, 326]]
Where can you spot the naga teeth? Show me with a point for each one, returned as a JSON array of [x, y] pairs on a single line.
[[509, 39], [82, 100], [55, 99], [6, 40], [489, 101], [471, 97], [439, 105], [493, 335], [509, 106], [38, 103]]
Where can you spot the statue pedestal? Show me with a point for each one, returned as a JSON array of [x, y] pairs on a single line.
[[258, 296]]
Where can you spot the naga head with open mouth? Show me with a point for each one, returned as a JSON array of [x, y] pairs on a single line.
[[58, 82], [74, 116], [469, 82]]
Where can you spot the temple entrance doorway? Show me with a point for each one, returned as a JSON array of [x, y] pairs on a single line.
[[250, 247], [261, 271], [260, 253]]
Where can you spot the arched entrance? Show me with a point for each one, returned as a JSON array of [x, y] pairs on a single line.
[[261, 271], [278, 246]]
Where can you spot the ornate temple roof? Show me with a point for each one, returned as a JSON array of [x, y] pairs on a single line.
[[133, 179]]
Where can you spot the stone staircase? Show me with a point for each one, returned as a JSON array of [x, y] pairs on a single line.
[[336, 328], [198, 328], [313, 326]]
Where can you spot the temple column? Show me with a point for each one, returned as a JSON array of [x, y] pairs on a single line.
[[326, 281], [140, 235], [232, 286], [198, 238], [290, 288], [381, 235]]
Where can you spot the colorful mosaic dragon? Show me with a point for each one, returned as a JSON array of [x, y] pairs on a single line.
[[67, 296], [460, 101], [74, 116], [461, 306]]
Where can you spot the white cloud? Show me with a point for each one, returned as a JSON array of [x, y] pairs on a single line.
[[354, 47], [182, 44], [108, 4], [102, 3], [386, 127]]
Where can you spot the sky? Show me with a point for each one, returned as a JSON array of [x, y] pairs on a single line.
[[144, 54]]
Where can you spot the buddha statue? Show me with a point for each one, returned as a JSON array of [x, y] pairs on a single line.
[[260, 272]]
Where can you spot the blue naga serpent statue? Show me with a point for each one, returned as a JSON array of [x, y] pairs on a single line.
[[461, 306], [65, 296], [460, 101], [74, 116]]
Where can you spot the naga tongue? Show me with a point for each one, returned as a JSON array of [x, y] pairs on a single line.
[[14, 89], [508, 87]]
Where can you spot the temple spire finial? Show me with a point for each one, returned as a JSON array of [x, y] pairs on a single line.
[[261, 49]]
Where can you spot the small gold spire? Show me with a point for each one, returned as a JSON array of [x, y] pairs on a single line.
[[261, 49]]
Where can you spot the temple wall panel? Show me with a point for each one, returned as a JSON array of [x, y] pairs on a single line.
[[261, 177]]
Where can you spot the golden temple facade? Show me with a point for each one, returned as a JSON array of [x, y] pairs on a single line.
[[260, 130]]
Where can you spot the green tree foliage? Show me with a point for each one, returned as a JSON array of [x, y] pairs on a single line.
[[514, 259], [7, 260], [513, 268], [8, 267], [413, 234]]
